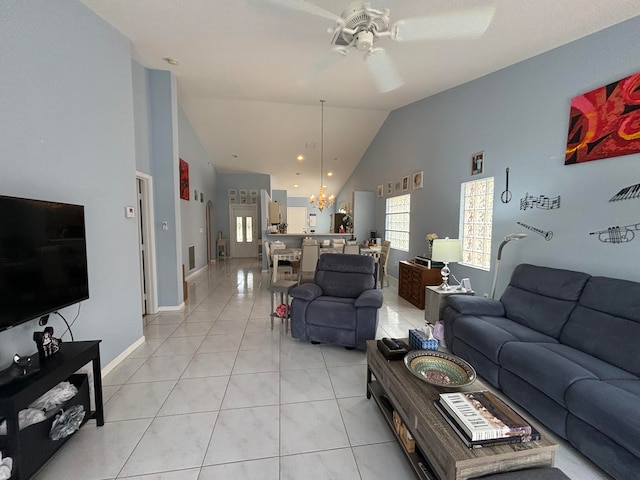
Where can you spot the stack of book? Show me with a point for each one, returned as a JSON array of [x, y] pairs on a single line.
[[483, 420]]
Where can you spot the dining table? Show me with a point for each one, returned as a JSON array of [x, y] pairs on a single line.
[[280, 254], [293, 254]]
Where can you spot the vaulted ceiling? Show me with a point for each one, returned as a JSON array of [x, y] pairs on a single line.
[[251, 72]]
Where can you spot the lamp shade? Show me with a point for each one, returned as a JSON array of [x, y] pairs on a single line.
[[446, 250]]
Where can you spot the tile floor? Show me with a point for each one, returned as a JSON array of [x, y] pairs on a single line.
[[214, 393]]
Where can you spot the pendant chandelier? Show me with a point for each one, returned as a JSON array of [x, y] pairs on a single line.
[[323, 200]]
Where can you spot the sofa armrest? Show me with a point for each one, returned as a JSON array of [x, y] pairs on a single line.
[[468, 305], [369, 298], [306, 291]]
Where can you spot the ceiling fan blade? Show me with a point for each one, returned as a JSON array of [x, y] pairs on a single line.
[[470, 23], [383, 70], [305, 7]]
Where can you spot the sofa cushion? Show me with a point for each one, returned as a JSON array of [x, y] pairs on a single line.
[[611, 407], [488, 334], [542, 298], [553, 368], [606, 322], [332, 312], [347, 276]]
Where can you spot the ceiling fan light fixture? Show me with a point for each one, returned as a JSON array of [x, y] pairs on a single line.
[[364, 41]]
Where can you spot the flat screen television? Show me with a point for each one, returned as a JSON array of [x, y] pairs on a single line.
[[43, 258]]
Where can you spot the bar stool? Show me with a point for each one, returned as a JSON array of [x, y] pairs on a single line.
[[282, 287]]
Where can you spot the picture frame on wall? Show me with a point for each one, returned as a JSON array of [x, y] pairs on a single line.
[[405, 183], [417, 179], [389, 188], [477, 163], [243, 199], [233, 199], [233, 192], [380, 191], [243, 192], [397, 187], [184, 180], [253, 193], [254, 200]]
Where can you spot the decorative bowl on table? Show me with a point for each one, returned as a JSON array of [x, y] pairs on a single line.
[[439, 368]]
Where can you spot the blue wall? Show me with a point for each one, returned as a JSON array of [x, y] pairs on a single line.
[[67, 134], [202, 177], [163, 113], [519, 117]]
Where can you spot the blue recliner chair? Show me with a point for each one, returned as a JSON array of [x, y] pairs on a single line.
[[341, 306]]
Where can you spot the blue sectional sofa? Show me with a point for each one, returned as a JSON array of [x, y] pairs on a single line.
[[565, 346]]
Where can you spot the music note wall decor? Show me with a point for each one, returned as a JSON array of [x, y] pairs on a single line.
[[627, 193], [541, 201], [617, 234], [548, 235]]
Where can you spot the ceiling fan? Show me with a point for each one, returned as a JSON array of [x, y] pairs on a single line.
[[360, 26]]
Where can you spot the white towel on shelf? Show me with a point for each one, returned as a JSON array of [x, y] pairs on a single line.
[[6, 464], [26, 417], [54, 397]]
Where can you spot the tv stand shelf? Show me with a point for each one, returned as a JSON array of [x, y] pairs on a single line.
[[18, 395]]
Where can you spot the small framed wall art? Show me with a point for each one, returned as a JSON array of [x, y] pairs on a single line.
[[417, 179], [398, 186], [477, 163], [380, 191], [389, 188], [405, 183]]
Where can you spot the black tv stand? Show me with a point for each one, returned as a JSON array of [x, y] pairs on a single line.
[[30, 448]]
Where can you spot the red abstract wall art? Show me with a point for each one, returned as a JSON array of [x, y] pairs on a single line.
[[605, 122], [184, 180]]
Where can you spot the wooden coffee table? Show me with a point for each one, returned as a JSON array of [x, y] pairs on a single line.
[[442, 453]]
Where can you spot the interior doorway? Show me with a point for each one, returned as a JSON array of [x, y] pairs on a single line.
[[209, 226], [146, 244], [243, 229]]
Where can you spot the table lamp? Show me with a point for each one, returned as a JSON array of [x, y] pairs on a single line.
[[446, 250]]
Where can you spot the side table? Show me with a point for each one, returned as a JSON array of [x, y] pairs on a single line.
[[221, 246], [435, 301], [282, 287]]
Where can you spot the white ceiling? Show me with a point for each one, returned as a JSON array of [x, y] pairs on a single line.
[[251, 72]]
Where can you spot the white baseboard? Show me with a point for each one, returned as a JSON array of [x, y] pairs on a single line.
[[173, 308], [116, 361], [195, 273]]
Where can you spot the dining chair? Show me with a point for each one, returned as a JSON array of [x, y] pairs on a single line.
[[308, 261], [351, 249], [284, 266], [384, 258]]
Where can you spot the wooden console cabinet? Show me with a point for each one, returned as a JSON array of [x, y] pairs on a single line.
[[413, 278], [31, 447]]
